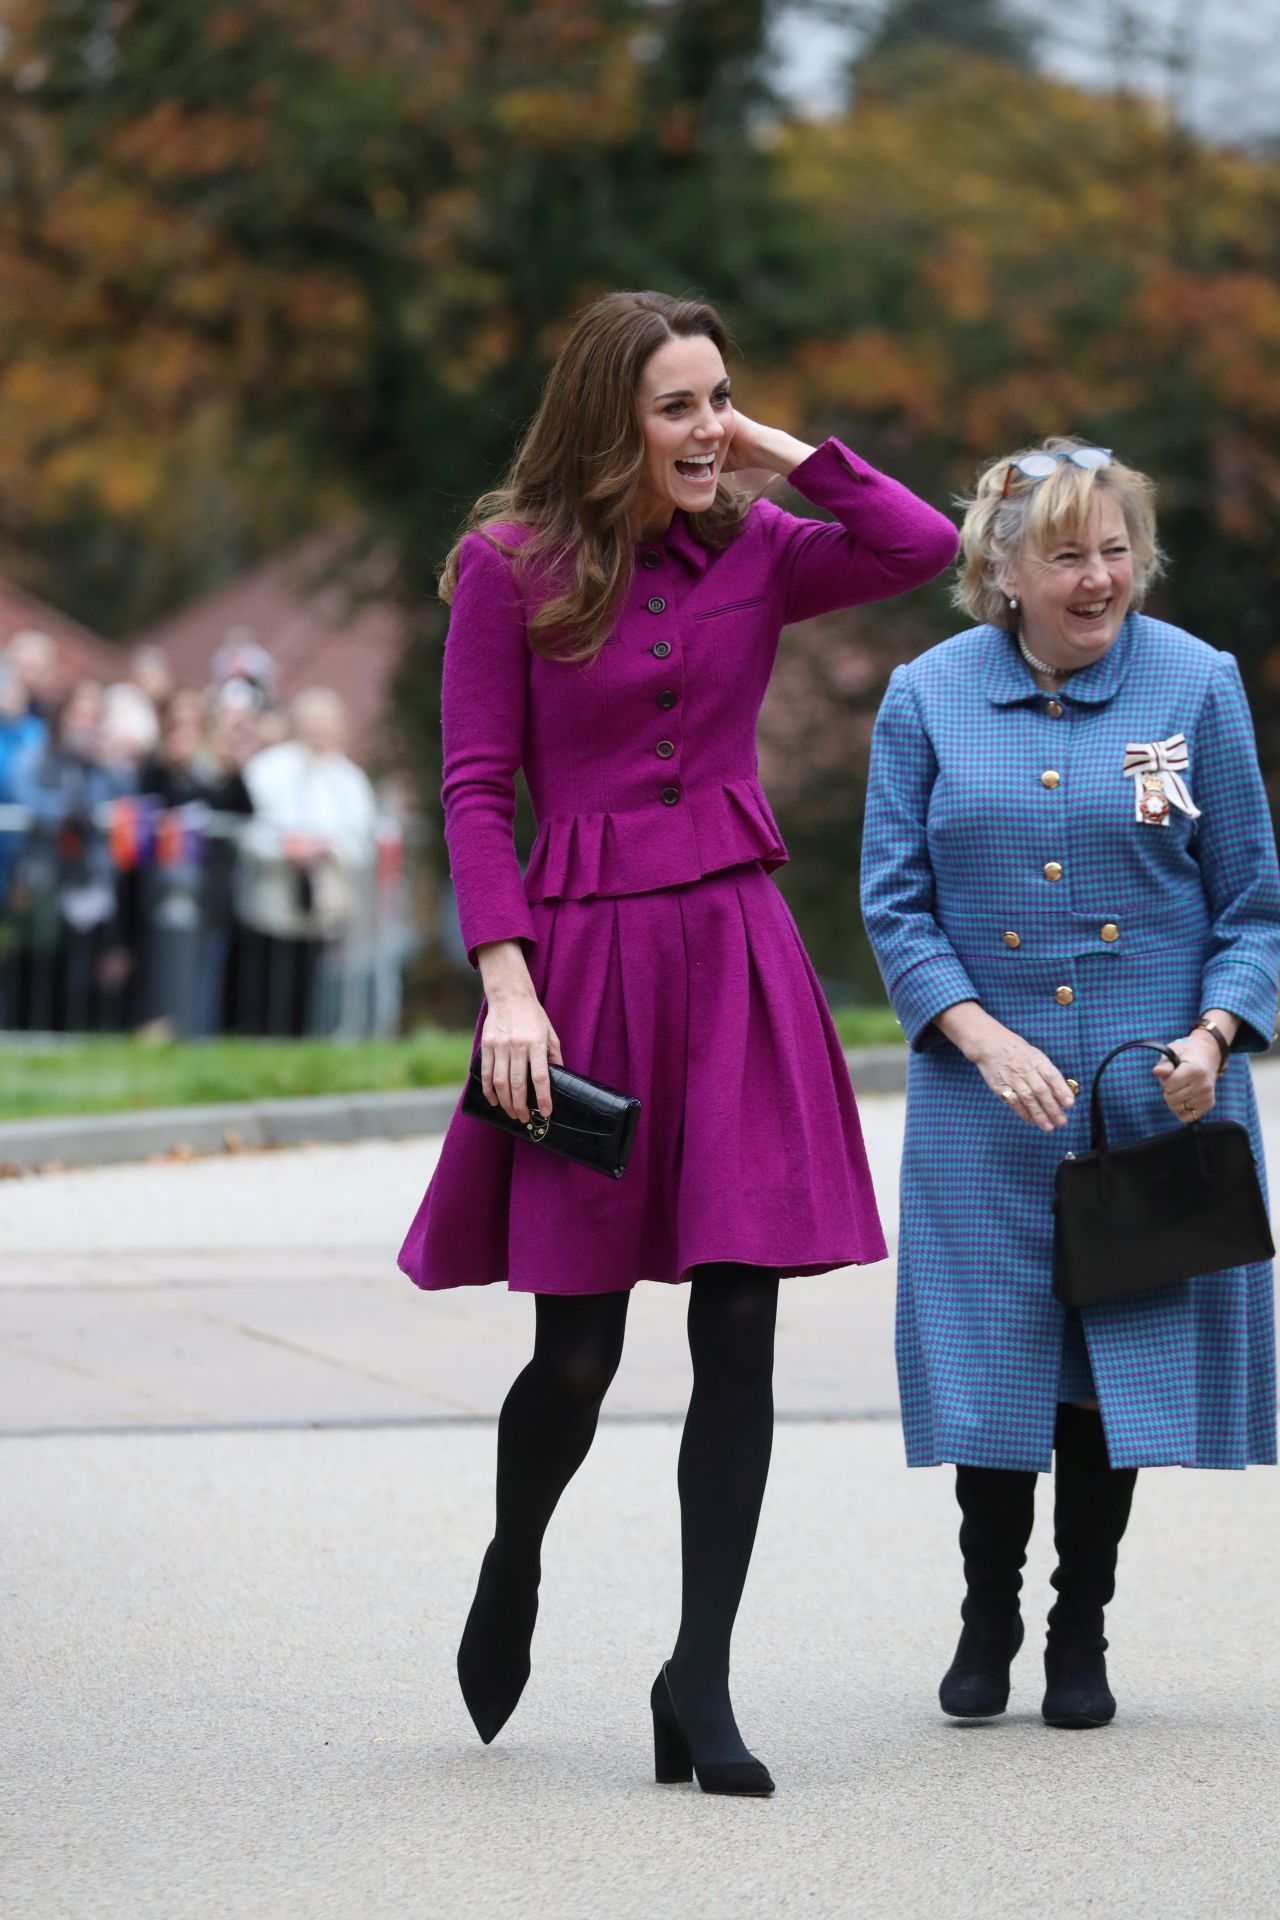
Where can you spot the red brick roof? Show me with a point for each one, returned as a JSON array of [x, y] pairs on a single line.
[[82, 655], [321, 621]]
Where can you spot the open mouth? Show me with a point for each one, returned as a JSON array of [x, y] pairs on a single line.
[[698, 467], [1092, 611]]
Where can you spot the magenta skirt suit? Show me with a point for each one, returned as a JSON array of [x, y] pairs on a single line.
[[663, 953]]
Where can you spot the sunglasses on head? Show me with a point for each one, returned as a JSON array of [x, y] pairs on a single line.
[[1038, 466]]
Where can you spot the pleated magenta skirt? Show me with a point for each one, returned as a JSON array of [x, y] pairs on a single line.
[[701, 1001]]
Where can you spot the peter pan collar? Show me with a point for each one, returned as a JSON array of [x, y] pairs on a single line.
[[1010, 680]]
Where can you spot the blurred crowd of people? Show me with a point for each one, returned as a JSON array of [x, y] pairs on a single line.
[[173, 853]]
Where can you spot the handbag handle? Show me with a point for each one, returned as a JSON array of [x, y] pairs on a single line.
[[1097, 1126]]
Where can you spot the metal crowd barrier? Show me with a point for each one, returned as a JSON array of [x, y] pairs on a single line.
[[137, 915]]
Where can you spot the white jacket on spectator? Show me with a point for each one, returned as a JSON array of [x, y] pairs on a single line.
[[306, 851]]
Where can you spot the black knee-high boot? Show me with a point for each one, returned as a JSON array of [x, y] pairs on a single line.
[[545, 1429], [1091, 1511], [724, 1464], [997, 1509]]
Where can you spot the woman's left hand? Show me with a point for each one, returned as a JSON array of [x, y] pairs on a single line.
[[767, 449], [1190, 1090]]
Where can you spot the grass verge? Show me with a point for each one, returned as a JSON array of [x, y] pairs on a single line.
[[119, 1075]]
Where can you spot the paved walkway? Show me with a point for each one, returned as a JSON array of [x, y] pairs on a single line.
[[246, 1482], [228, 1692], [262, 1290]]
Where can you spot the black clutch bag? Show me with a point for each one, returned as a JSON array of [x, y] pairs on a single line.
[[588, 1123], [1156, 1211]]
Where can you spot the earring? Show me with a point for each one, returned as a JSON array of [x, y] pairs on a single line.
[[1013, 602]]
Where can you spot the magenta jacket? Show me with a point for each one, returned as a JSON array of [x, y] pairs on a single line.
[[642, 764]]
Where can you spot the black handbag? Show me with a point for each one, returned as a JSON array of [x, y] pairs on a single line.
[[590, 1124], [1155, 1211]]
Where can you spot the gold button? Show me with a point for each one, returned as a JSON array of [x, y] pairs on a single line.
[[1064, 996], [1073, 1084], [1052, 869], [1054, 709], [1110, 931], [1050, 779], [1012, 940]]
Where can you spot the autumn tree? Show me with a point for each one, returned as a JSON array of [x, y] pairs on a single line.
[[266, 262], [1007, 261], [266, 266], [905, 32]]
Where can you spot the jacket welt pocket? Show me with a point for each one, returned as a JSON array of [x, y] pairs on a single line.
[[732, 606]]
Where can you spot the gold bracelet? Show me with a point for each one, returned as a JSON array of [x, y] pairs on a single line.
[[1224, 1049]]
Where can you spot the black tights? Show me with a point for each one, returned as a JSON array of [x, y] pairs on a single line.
[[549, 1420]]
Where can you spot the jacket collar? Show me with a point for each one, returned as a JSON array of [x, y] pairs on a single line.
[[679, 540], [1009, 679]]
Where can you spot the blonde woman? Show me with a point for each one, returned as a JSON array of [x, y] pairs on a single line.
[[1067, 845]]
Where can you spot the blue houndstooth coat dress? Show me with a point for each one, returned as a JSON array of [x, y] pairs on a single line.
[[1003, 862]]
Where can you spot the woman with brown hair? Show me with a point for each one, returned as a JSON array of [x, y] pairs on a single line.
[[616, 612]]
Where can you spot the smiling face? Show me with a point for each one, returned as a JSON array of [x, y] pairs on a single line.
[[686, 417], [1074, 596]]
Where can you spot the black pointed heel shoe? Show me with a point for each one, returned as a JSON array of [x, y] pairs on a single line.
[[976, 1684], [674, 1760], [493, 1658]]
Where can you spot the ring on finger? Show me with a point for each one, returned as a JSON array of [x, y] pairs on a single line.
[[1007, 1093]]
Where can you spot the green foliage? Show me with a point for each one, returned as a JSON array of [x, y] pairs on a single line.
[[120, 1075], [124, 1076], [867, 1027]]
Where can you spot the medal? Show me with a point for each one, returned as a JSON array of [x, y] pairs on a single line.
[[1156, 768], [1154, 803]]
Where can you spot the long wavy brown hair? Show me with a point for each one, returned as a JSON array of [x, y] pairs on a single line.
[[572, 484]]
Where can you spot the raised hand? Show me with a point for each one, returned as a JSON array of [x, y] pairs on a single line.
[[762, 448]]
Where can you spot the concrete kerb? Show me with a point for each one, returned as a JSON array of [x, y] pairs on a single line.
[[90, 1140]]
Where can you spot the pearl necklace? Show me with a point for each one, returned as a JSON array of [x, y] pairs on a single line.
[[1042, 666]]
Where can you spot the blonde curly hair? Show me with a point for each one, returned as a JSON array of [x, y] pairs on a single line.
[[998, 527]]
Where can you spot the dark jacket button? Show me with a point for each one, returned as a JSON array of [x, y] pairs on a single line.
[[662, 648], [664, 749], [666, 699], [650, 560], [670, 795], [657, 604]]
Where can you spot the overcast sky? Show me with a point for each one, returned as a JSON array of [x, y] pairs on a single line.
[[1233, 91]]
